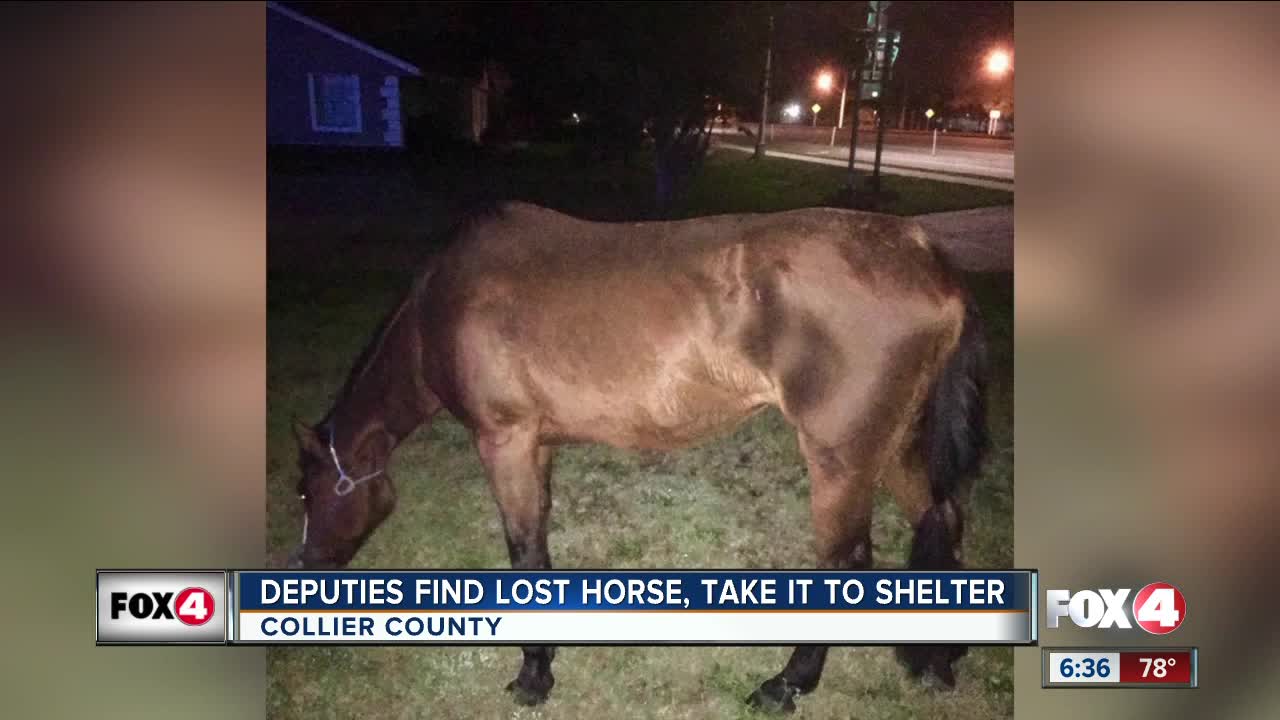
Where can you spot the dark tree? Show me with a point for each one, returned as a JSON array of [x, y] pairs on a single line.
[[657, 71]]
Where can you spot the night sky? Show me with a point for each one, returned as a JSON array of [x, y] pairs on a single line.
[[579, 54]]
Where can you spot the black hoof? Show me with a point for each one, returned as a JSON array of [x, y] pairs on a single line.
[[534, 693], [775, 696], [936, 659]]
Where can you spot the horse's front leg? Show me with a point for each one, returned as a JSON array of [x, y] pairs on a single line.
[[519, 471]]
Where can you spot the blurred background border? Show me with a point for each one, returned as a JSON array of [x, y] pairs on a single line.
[[134, 334]]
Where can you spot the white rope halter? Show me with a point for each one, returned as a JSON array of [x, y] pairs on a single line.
[[345, 485]]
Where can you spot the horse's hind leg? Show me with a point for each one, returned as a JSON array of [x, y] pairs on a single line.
[[519, 472], [841, 497]]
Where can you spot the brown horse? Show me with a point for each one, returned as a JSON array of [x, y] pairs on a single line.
[[536, 329]]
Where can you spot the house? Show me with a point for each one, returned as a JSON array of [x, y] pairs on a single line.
[[325, 87]]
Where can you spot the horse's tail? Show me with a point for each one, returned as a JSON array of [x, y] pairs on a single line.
[[953, 437]]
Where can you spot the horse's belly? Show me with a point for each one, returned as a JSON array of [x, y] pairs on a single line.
[[668, 413]]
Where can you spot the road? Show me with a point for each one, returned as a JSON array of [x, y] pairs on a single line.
[[966, 159]]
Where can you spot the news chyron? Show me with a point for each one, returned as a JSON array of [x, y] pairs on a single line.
[[177, 607], [565, 607]]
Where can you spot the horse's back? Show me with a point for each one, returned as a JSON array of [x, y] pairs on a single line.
[[655, 334], [520, 239]]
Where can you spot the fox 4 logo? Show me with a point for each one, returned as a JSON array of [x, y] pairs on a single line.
[[1158, 608], [193, 606], [161, 607]]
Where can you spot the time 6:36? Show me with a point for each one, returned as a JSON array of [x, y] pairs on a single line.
[[1085, 667]]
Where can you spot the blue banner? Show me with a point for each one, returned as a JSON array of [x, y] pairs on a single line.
[[657, 590]]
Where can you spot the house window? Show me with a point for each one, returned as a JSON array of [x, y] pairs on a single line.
[[335, 102]]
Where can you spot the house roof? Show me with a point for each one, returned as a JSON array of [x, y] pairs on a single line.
[[343, 37]]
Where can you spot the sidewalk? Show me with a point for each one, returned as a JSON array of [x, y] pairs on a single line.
[[979, 240]]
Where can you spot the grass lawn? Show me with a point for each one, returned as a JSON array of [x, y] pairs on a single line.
[[741, 501], [729, 182]]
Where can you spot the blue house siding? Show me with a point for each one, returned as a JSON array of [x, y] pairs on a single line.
[[296, 49]]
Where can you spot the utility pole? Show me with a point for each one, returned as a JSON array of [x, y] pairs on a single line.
[[902, 104], [875, 171], [861, 52], [844, 92], [883, 57], [764, 102], [851, 184]]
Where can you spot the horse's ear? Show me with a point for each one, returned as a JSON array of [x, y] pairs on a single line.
[[307, 439]]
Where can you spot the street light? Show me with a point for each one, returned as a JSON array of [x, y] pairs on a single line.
[[929, 115], [998, 62], [826, 82], [792, 111]]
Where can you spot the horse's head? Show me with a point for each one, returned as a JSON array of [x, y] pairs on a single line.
[[345, 493]]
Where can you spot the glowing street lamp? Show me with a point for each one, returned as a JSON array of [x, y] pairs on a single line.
[[999, 62], [826, 82], [929, 114], [792, 111]]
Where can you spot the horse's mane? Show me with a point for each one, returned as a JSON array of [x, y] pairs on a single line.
[[474, 212], [365, 359]]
